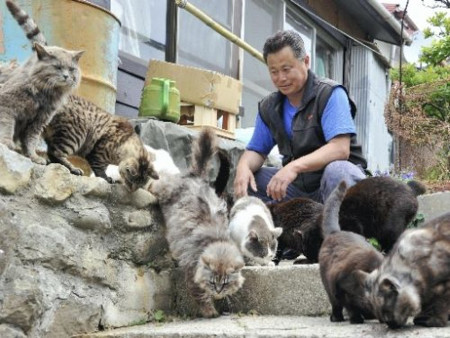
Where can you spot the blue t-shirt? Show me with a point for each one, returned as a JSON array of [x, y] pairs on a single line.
[[336, 120]]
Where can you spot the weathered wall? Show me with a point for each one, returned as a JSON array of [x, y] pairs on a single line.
[[78, 254]]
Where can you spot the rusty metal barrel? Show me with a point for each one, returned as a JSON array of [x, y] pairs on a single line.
[[76, 25]]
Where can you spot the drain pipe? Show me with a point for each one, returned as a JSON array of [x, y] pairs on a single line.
[[220, 29]]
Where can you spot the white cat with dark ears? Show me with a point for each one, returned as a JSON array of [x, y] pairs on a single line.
[[252, 229]]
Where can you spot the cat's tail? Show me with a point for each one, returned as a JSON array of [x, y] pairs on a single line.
[[203, 150], [330, 219], [417, 187], [224, 172], [28, 25]]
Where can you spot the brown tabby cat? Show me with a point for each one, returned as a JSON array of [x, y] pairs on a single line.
[[414, 280], [81, 128], [197, 229], [33, 92], [341, 256]]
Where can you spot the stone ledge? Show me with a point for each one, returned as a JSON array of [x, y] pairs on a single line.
[[283, 290], [433, 205], [267, 327]]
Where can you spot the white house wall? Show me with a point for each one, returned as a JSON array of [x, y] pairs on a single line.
[[369, 89]]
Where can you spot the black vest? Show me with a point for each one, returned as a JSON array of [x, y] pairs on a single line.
[[307, 133]]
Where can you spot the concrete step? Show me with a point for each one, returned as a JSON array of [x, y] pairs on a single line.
[[267, 327], [286, 289]]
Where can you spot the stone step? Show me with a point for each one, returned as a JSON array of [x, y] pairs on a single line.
[[235, 326], [282, 290]]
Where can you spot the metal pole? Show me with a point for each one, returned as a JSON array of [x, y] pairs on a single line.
[[220, 29]]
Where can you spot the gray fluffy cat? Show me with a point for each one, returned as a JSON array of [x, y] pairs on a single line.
[[342, 256], [81, 128], [197, 229], [33, 92], [251, 227], [414, 279]]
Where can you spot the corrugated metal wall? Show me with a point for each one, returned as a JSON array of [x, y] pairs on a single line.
[[369, 88]]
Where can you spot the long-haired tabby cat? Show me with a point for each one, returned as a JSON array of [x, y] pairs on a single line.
[[251, 227], [197, 229], [414, 279], [81, 128], [32, 93], [341, 256]]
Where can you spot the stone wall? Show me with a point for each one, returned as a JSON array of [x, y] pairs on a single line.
[[77, 254]]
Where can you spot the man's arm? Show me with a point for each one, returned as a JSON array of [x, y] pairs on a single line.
[[337, 148], [249, 162]]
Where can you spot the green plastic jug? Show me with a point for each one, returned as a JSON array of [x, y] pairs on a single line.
[[161, 99]]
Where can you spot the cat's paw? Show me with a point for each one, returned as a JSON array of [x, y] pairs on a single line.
[[336, 318], [209, 312], [356, 319], [77, 171], [430, 321], [10, 144], [38, 159]]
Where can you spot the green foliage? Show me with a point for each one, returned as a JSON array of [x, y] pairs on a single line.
[[417, 221], [374, 243], [159, 316], [441, 170], [411, 76], [440, 46]]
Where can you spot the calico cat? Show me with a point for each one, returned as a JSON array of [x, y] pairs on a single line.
[[197, 229], [162, 163], [380, 207], [341, 256], [300, 218], [414, 279], [251, 227], [81, 128], [32, 93]]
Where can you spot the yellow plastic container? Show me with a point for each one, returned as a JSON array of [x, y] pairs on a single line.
[[161, 99]]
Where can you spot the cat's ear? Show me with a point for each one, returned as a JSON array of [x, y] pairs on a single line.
[[152, 173], [277, 232], [252, 235], [40, 51], [389, 285], [131, 171], [76, 55]]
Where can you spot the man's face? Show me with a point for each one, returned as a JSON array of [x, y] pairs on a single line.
[[288, 73]]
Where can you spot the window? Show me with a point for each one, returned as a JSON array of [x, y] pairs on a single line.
[[143, 31], [198, 44], [262, 18]]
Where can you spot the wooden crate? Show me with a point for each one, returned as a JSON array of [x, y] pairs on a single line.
[[196, 117]]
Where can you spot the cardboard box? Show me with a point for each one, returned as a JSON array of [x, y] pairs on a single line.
[[199, 86]]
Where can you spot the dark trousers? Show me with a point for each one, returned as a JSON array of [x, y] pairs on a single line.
[[335, 172]]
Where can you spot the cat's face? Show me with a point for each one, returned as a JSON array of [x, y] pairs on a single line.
[[136, 172], [57, 67], [218, 270], [393, 303], [261, 242]]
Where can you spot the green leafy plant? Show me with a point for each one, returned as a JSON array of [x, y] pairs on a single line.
[[159, 316], [374, 243]]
